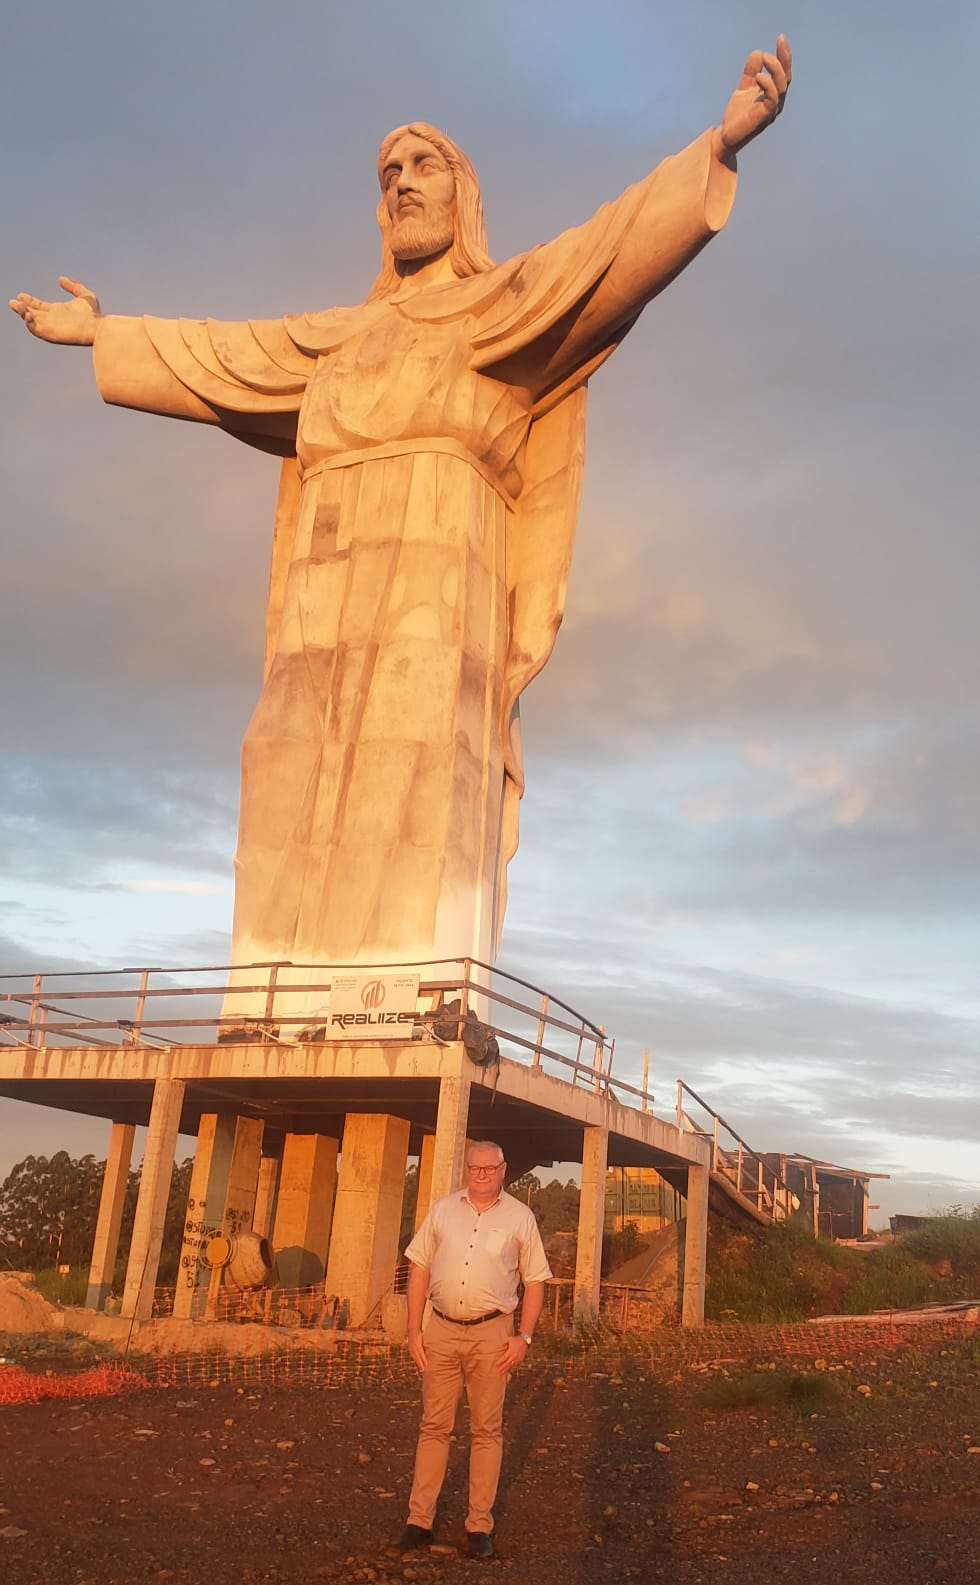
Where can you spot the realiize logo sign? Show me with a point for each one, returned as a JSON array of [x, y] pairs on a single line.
[[373, 993], [373, 1006]]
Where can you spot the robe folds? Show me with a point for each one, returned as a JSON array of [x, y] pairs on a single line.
[[423, 539]]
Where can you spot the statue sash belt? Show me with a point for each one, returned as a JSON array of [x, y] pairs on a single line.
[[406, 448]]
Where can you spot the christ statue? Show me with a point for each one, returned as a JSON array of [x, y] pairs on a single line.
[[432, 440]]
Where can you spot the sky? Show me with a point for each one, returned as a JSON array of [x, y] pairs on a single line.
[[751, 836]]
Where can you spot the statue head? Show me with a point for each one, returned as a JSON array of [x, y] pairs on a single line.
[[430, 221]]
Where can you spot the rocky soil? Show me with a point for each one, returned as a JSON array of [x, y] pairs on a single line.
[[615, 1469]]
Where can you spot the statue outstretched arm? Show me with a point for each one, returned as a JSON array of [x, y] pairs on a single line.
[[71, 324], [247, 378], [660, 226]]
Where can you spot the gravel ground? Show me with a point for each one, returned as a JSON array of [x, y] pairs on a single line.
[[617, 1473]]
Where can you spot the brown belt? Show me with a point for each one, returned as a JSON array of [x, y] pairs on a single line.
[[477, 1320]]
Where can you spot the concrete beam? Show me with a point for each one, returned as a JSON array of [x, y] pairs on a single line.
[[111, 1202]]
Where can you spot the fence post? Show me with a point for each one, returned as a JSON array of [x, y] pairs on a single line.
[[680, 1103], [646, 1078], [714, 1148]]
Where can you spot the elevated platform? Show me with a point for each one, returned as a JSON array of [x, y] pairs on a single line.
[[286, 1117]]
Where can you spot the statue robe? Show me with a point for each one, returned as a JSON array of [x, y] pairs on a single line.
[[423, 540]]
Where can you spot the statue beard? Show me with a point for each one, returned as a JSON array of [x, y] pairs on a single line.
[[423, 233]]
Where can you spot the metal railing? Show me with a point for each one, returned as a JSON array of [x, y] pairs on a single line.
[[115, 1009], [749, 1173]]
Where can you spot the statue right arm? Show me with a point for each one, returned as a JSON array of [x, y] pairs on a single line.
[[130, 372], [248, 378]]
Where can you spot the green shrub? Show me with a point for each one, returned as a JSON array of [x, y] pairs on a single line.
[[773, 1274]]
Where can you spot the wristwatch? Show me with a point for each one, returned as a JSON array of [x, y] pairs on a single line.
[[526, 1336]]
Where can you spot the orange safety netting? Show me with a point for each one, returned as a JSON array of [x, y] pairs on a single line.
[[18, 1385], [369, 1357]]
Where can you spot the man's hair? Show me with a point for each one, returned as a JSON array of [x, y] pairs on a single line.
[[468, 255], [485, 1144]]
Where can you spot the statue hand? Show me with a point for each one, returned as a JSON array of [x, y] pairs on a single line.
[[70, 324], [757, 100]]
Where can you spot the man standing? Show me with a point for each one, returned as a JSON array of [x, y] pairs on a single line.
[[467, 1258]]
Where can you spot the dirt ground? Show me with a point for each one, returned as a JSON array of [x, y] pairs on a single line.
[[614, 1473]]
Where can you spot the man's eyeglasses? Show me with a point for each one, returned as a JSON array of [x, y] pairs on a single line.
[[485, 1172]]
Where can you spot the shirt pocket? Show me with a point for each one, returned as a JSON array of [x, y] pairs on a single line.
[[498, 1243]]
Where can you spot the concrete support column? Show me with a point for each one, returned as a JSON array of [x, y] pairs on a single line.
[[427, 1156], [265, 1196], [307, 1183], [209, 1180], [367, 1213], [243, 1176], [111, 1203], [224, 1181], [695, 1246], [592, 1204], [424, 1200], [151, 1206], [449, 1155]]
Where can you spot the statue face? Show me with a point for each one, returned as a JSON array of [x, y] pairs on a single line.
[[420, 196]]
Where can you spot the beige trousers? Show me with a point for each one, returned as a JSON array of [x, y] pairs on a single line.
[[461, 1358]]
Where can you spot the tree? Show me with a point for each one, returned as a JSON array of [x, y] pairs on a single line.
[[48, 1210], [554, 1204]]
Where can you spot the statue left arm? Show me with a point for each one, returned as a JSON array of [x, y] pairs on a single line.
[[671, 216]]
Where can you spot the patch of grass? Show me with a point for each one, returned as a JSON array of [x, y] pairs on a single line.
[[768, 1389], [70, 1288]]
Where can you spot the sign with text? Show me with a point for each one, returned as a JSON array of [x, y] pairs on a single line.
[[376, 1006]]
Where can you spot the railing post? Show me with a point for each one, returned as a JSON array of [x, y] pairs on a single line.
[[270, 995], [646, 1077], [714, 1148], [597, 1060], [464, 992], [135, 1029], [760, 1187], [680, 1103], [32, 1031], [738, 1181], [539, 1037]]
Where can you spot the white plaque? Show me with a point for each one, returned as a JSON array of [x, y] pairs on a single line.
[[379, 1006]]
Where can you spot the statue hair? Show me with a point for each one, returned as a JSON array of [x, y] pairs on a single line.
[[468, 255]]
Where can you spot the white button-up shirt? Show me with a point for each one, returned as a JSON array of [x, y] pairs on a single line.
[[476, 1258]]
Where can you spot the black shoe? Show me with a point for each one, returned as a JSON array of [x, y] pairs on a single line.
[[413, 1535], [479, 1544]]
